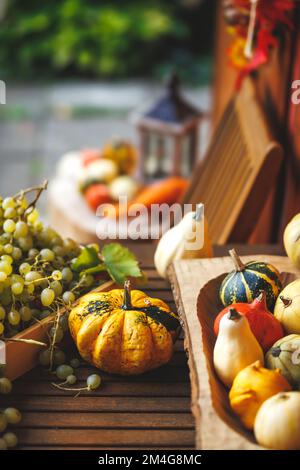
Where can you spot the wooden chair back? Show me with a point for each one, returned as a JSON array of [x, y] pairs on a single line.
[[239, 169]]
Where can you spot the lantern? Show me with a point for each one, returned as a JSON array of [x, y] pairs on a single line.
[[168, 135]]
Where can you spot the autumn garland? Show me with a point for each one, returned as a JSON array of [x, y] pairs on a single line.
[[254, 25]]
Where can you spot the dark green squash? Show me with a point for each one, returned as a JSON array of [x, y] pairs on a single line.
[[247, 280]]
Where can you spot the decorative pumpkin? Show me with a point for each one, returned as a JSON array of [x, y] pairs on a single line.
[[122, 153], [236, 347], [247, 280], [122, 331], [291, 240], [99, 171], [177, 243], [97, 194], [277, 423], [265, 327], [287, 307], [285, 355], [251, 387], [123, 186]]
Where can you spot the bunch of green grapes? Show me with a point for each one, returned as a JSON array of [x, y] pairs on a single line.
[[36, 277]]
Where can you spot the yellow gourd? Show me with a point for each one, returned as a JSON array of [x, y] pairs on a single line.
[[188, 239], [291, 240], [287, 308], [236, 347], [251, 387], [277, 423], [123, 331]]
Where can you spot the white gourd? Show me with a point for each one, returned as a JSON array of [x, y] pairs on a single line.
[[177, 242], [236, 347], [277, 423]]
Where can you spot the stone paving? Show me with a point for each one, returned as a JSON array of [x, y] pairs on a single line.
[[39, 123]]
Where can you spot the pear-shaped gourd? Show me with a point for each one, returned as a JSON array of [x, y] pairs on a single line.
[[188, 239], [287, 308], [236, 347]]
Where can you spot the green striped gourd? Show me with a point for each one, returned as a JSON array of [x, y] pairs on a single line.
[[246, 282]]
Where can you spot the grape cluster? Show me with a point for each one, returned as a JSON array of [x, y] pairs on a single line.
[[8, 416], [36, 276]]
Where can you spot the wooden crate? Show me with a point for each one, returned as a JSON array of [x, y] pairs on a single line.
[[216, 426], [21, 357]]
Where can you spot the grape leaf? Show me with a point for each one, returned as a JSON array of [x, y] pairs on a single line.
[[120, 262], [88, 258]]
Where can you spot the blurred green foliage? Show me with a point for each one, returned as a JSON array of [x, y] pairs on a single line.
[[114, 38]]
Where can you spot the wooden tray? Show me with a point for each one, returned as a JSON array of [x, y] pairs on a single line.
[[216, 426], [21, 357]]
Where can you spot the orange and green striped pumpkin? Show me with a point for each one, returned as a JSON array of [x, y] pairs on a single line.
[[247, 280]]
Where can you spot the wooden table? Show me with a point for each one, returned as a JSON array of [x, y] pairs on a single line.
[[151, 411]]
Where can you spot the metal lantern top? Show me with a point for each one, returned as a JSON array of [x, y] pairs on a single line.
[[171, 114]]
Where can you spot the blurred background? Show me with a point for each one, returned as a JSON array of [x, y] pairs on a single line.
[[75, 70]]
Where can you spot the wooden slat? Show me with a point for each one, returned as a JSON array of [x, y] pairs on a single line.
[[95, 437], [138, 389], [102, 404], [107, 420]]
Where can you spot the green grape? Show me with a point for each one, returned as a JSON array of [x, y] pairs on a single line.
[[33, 253], [26, 313], [5, 237], [75, 363], [10, 213], [44, 314], [88, 280], [59, 357], [71, 379], [29, 289], [63, 371], [5, 386], [68, 297], [59, 250], [63, 322], [58, 332], [25, 243], [58, 262], [47, 255], [67, 274], [22, 202], [2, 313], [14, 317], [5, 297], [35, 312], [9, 226], [16, 278], [21, 229], [7, 258], [1, 328], [57, 287], [8, 248], [24, 268], [6, 267], [70, 244], [8, 202], [33, 216], [47, 296], [13, 415], [10, 439], [56, 241], [3, 276], [3, 422], [38, 226], [93, 382], [45, 358], [56, 275], [17, 288], [17, 253], [33, 276], [3, 445]]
